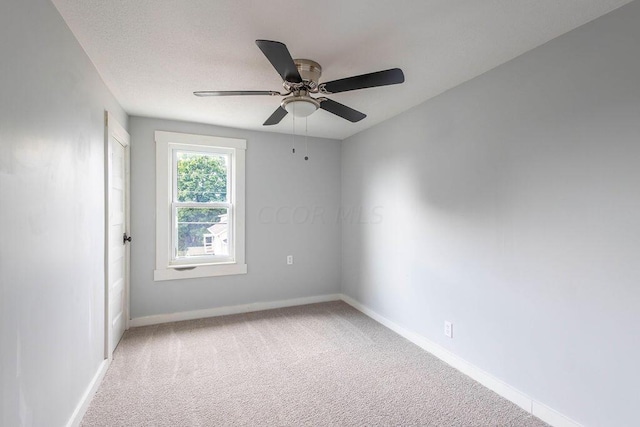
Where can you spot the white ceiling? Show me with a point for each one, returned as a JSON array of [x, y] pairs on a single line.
[[154, 53]]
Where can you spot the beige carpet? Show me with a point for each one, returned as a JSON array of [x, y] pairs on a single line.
[[322, 364]]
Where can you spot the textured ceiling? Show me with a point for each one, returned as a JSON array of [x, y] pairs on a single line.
[[154, 53]]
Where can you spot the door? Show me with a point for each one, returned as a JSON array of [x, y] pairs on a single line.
[[117, 250]]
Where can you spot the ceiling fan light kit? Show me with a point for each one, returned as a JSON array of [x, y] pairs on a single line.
[[301, 77], [300, 106]]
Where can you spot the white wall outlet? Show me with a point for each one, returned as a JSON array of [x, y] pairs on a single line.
[[448, 329], [289, 259]]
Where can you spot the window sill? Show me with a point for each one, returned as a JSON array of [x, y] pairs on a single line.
[[199, 271]]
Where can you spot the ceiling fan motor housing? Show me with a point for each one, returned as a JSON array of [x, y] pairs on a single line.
[[301, 104], [310, 72]]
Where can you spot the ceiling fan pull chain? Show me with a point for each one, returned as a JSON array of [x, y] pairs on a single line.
[[293, 140], [306, 137]]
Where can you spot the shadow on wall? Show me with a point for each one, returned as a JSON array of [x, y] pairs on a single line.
[[440, 164]]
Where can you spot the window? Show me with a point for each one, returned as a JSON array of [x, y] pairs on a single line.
[[199, 206]]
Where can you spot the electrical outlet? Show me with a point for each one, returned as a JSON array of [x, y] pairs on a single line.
[[289, 259], [448, 329]]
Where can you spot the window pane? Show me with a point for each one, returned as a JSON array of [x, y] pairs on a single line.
[[201, 177], [202, 232]]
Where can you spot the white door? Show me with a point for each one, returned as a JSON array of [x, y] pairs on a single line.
[[118, 238]]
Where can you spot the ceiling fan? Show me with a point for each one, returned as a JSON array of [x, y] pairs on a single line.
[[301, 78]]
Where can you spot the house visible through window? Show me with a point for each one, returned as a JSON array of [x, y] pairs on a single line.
[[217, 240], [200, 204]]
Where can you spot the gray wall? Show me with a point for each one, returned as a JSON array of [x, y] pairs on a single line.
[[306, 195], [510, 206], [51, 215]]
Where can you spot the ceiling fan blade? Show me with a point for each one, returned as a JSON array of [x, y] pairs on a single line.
[[276, 117], [236, 92], [279, 56], [341, 110], [379, 78]]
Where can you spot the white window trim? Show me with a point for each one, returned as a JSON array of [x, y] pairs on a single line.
[[165, 270]]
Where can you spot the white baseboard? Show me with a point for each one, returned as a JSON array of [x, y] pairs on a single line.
[[234, 309], [545, 413], [551, 416], [85, 401]]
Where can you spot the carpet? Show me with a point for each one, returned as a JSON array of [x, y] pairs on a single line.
[[314, 365]]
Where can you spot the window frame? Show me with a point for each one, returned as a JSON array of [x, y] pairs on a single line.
[[167, 144]]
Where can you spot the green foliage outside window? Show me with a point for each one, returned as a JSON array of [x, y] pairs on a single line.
[[201, 178]]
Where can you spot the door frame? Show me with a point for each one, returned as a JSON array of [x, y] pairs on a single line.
[[115, 131]]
